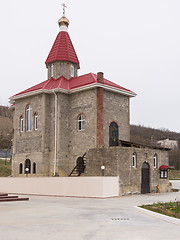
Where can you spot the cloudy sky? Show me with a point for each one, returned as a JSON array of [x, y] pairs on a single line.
[[136, 43]]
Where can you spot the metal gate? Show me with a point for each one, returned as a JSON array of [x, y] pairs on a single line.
[[145, 178], [113, 134]]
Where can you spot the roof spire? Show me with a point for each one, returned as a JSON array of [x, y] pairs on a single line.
[[63, 21]]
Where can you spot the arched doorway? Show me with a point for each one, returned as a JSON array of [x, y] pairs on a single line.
[[145, 178], [80, 165], [113, 134], [27, 165]]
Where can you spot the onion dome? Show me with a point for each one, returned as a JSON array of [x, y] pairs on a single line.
[[63, 21]]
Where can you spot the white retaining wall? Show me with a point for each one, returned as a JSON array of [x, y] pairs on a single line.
[[62, 186]]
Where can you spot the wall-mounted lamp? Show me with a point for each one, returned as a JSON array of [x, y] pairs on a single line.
[[102, 168], [27, 171]]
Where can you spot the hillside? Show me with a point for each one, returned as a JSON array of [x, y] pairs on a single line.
[[5, 128], [150, 136]]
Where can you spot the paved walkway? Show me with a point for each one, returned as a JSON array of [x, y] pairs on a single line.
[[53, 218]]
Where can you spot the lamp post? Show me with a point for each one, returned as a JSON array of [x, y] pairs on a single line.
[[102, 168], [27, 171]]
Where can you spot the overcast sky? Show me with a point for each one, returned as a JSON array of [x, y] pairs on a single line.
[[136, 43]]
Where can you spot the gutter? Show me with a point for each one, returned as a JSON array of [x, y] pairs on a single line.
[[55, 133]]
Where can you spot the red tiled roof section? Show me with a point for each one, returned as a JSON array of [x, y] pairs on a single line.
[[49, 84], [62, 49], [72, 83]]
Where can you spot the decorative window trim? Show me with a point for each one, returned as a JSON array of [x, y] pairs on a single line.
[[164, 174], [81, 123], [134, 160], [72, 70], [28, 118], [35, 121], [21, 124], [155, 160], [52, 70]]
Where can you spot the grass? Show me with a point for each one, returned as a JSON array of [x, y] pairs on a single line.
[[174, 175], [171, 209], [5, 168]]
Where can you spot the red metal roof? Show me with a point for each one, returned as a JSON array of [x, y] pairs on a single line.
[[62, 49], [72, 84], [164, 167]]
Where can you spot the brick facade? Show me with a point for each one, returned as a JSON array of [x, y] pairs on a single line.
[[118, 161], [39, 145]]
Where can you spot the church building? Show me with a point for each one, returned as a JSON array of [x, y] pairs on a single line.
[[72, 125]]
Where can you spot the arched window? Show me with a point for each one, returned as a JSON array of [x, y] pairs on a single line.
[[27, 166], [34, 168], [28, 118], [21, 124], [20, 168], [35, 121], [113, 134], [72, 70], [134, 160], [155, 160], [52, 70], [81, 123]]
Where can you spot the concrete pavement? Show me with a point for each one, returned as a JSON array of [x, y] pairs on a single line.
[[59, 218]]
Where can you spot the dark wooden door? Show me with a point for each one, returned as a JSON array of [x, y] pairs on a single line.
[[145, 178], [113, 134], [80, 165], [27, 165]]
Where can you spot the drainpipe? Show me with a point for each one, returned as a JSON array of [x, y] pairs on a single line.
[[55, 133]]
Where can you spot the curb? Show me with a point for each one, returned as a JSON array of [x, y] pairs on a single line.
[[158, 215]]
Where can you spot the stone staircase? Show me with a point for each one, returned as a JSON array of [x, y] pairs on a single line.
[[4, 197], [80, 167]]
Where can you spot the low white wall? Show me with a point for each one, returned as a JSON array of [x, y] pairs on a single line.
[[62, 186]]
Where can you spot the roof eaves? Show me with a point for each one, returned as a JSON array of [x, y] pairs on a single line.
[[112, 89], [124, 92], [29, 94]]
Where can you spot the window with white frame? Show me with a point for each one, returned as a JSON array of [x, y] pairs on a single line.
[[72, 70], [134, 162], [81, 123], [155, 160], [164, 173], [52, 70], [35, 121], [28, 118], [21, 124]]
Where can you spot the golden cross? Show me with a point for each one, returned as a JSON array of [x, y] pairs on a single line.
[[64, 6]]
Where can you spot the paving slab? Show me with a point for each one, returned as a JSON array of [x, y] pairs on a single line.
[[59, 218]]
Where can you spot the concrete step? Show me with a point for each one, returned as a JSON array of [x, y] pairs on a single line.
[[5, 198], [9, 199], [1, 197], [3, 194]]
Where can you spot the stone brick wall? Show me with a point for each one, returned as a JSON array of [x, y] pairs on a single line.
[[62, 69], [39, 145], [116, 108], [118, 162], [80, 141], [29, 145]]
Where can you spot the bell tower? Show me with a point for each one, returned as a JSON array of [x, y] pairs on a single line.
[[62, 59]]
